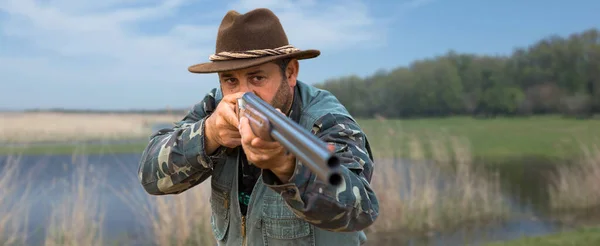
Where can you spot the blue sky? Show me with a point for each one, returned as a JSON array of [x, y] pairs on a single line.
[[123, 54]]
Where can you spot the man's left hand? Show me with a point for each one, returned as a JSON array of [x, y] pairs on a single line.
[[266, 154]]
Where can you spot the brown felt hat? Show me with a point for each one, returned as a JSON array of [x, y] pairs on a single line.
[[251, 39]]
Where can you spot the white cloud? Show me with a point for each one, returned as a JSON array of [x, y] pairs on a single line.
[[96, 42], [327, 25]]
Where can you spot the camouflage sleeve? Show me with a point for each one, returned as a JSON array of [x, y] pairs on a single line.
[[174, 159], [351, 207]]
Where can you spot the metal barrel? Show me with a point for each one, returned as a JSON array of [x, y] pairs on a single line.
[[306, 147]]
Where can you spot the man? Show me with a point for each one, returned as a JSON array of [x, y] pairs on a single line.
[[259, 194]]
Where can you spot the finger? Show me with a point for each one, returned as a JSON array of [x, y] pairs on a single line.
[[225, 134], [227, 104], [230, 130], [230, 101], [261, 157], [230, 117], [262, 144], [257, 158], [233, 142], [232, 98], [250, 152], [234, 133], [246, 132]]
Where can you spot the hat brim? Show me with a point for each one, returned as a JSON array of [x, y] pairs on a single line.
[[229, 65]]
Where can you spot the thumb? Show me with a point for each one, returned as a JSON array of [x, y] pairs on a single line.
[[279, 110], [241, 123]]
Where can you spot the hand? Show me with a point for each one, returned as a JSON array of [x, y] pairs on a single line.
[[222, 125], [266, 154]]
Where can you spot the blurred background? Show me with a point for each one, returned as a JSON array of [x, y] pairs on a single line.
[[482, 115]]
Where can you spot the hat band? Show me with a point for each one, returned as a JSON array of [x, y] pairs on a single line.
[[223, 56]]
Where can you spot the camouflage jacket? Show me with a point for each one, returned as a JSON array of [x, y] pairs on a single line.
[[304, 211]]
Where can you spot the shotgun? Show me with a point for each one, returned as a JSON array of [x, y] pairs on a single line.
[[270, 125]]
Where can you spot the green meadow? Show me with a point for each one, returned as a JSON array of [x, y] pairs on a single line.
[[585, 236], [545, 137]]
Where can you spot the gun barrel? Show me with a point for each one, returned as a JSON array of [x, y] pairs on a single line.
[[306, 147]]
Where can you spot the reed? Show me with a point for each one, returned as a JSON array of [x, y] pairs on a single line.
[[77, 218], [77, 214], [13, 203], [575, 186], [176, 220], [419, 196], [173, 220]]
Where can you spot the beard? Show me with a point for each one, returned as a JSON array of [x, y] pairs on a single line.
[[283, 97]]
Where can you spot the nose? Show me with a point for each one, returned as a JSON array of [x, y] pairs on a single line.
[[244, 87]]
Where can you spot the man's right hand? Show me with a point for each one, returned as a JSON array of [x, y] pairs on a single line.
[[221, 127]]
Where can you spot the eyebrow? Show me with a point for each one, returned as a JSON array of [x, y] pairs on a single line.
[[226, 75]]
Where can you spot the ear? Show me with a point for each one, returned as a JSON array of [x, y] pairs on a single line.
[[291, 72]]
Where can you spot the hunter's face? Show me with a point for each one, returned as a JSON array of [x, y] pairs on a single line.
[[266, 81]]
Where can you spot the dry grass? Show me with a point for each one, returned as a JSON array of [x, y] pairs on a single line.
[[77, 215], [58, 127], [422, 197], [576, 186], [77, 219], [176, 220], [13, 212], [183, 219]]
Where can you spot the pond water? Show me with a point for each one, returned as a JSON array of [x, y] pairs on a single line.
[[45, 174]]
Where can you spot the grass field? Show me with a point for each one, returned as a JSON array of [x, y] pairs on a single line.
[[586, 236], [549, 137], [491, 139]]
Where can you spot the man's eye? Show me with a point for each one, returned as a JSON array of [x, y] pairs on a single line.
[[258, 78], [230, 81]]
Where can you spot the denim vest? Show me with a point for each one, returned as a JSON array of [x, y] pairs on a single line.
[[269, 221]]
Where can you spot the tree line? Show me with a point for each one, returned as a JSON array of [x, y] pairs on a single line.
[[556, 75]]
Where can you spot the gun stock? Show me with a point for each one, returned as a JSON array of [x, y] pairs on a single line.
[[270, 125]]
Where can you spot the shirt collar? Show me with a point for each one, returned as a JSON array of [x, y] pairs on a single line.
[[296, 106]]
